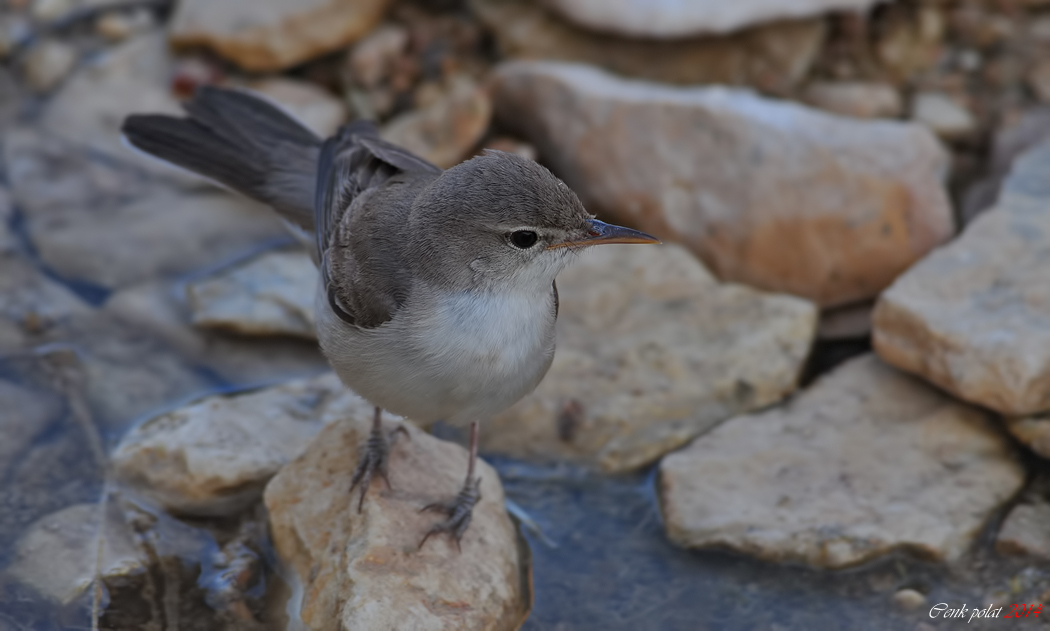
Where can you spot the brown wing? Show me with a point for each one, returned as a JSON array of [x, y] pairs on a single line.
[[363, 180]]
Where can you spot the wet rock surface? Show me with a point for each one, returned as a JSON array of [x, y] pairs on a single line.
[[274, 34], [865, 462], [974, 316], [769, 193], [363, 570], [214, 456], [272, 294], [622, 392]]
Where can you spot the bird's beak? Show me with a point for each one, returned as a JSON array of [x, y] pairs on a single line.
[[600, 232]]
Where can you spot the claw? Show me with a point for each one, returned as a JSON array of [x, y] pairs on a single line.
[[373, 460], [459, 511]]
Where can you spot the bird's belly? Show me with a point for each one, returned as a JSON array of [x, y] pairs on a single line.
[[465, 360]]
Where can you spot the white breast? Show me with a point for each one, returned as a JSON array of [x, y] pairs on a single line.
[[457, 357]]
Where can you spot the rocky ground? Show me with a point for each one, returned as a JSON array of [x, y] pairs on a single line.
[[823, 404]]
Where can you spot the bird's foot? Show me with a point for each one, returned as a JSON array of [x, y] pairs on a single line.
[[374, 456], [459, 511]]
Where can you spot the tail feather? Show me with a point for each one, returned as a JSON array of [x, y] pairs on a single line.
[[241, 141]]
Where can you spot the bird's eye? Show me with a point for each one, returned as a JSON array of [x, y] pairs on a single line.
[[523, 239]]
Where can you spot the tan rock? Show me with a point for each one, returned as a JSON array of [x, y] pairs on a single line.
[[315, 107], [363, 570], [272, 294], [1032, 431], [909, 599], [768, 193], [1039, 80], [118, 26], [866, 462], [269, 35], [48, 63], [974, 316], [214, 457], [668, 19], [944, 115], [855, 98], [652, 351], [446, 131], [772, 57], [372, 59], [1024, 531]]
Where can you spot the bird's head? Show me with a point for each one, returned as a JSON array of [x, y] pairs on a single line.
[[503, 221]]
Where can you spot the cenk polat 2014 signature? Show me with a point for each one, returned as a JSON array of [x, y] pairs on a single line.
[[942, 610]]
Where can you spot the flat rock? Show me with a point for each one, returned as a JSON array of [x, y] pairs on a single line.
[[772, 57], [944, 115], [312, 105], [272, 294], [1032, 431], [1024, 531], [103, 222], [214, 456], [865, 462], [447, 130], [974, 316], [363, 570], [623, 391], [768, 193], [269, 35], [33, 307], [861, 99], [665, 19]]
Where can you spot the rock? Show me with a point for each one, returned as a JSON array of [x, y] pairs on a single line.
[[974, 316], [512, 145], [130, 78], [769, 193], [363, 570], [160, 308], [76, 206], [119, 26], [314, 106], [272, 294], [1039, 80], [909, 599], [1024, 531], [668, 19], [48, 63], [865, 462], [622, 392], [846, 323], [214, 456], [372, 59], [945, 116], [445, 132], [15, 31], [273, 35], [1032, 431], [28, 414], [60, 554], [855, 98], [772, 57]]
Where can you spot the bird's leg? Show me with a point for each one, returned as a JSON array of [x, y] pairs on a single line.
[[373, 458], [461, 508]]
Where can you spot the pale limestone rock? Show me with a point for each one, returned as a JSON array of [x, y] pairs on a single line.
[[909, 599], [363, 570], [772, 57], [669, 19], [214, 457], [59, 554], [48, 63], [118, 26], [372, 59], [1024, 531], [855, 98], [445, 131], [1032, 431], [652, 351], [769, 193], [865, 462], [974, 316], [272, 294], [315, 107], [944, 115], [270, 35], [32, 305]]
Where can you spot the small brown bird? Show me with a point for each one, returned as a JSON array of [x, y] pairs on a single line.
[[437, 298]]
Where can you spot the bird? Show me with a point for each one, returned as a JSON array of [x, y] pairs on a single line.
[[437, 297]]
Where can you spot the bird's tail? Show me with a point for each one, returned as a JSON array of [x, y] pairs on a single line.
[[241, 141]]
